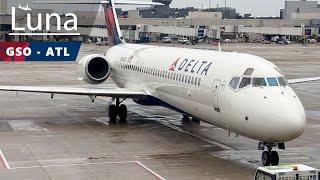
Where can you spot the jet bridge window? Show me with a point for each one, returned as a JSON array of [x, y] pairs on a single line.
[[246, 81], [234, 82], [282, 81], [272, 81], [259, 82]]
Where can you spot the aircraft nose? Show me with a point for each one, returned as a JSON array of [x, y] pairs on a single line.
[[295, 124], [291, 121]]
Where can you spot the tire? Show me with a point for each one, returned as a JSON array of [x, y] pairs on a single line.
[[274, 158], [185, 119], [112, 113], [195, 120], [123, 113], [266, 158]]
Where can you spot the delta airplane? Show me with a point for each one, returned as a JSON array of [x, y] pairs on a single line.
[[241, 93], [24, 8]]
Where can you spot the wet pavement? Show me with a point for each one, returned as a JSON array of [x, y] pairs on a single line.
[[69, 137]]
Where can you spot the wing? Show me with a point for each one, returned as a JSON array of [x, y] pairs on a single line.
[[302, 80], [92, 92]]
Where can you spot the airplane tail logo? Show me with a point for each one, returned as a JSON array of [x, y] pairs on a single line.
[[174, 65], [114, 34]]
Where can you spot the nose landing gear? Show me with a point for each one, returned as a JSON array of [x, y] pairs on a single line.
[[117, 110], [270, 157]]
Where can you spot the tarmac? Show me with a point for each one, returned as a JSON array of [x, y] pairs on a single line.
[[68, 137]]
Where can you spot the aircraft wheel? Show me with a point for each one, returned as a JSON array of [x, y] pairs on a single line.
[[266, 158], [185, 119], [112, 112], [274, 158], [123, 113], [195, 120]]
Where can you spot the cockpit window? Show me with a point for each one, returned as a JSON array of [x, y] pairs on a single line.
[[282, 81], [272, 81], [234, 82], [248, 72], [259, 82], [245, 82]]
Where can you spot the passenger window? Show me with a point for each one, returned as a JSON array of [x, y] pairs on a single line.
[[245, 82], [196, 81], [248, 72], [282, 82], [234, 82], [199, 82], [272, 82], [259, 82]]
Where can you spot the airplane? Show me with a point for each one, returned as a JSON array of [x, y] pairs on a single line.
[[241, 93], [25, 8]]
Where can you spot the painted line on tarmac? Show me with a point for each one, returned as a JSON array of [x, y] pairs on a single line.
[[149, 170], [3, 161], [184, 131], [87, 164]]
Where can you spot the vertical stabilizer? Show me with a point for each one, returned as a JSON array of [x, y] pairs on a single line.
[[114, 32]]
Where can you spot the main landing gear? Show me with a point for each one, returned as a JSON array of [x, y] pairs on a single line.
[[116, 110], [270, 157]]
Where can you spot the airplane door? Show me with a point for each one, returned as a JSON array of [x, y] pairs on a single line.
[[215, 93]]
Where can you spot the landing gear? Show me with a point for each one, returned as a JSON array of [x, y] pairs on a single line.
[[112, 112], [185, 119], [269, 157], [117, 110], [195, 120], [123, 113]]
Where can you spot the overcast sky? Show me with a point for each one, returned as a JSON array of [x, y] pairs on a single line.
[[255, 7]]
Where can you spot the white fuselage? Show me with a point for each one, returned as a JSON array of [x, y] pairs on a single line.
[[197, 83]]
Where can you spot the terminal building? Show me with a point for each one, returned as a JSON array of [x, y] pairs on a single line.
[[301, 10], [3, 6], [213, 23]]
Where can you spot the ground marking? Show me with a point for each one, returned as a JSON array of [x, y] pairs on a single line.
[[4, 160]]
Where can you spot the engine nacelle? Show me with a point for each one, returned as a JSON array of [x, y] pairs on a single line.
[[93, 69]]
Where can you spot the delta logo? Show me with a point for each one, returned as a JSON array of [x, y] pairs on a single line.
[[191, 66]]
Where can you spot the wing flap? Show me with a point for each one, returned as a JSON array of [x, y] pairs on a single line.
[[303, 80], [115, 92]]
